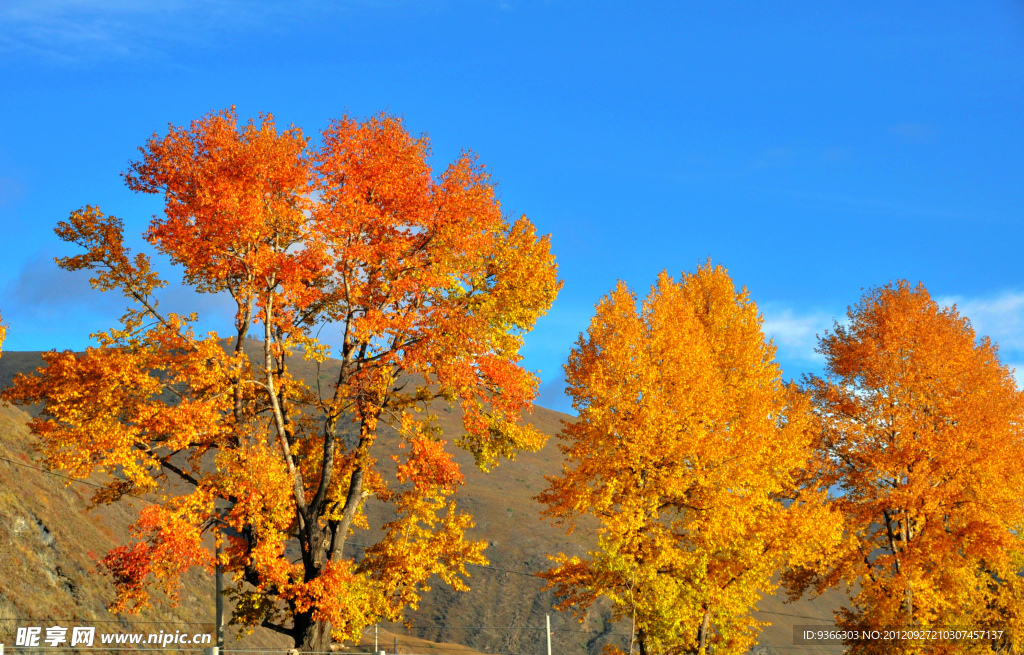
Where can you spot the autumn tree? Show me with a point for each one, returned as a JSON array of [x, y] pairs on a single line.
[[922, 437], [686, 446], [351, 247]]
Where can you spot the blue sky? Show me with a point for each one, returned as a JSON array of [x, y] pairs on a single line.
[[815, 149]]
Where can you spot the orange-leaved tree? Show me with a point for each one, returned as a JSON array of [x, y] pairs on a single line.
[[688, 451], [922, 437], [420, 284]]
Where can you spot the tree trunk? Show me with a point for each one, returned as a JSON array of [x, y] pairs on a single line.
[[908, 600], [702, 636], [312, 636]]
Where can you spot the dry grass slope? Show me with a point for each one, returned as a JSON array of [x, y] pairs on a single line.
[[51, 541]]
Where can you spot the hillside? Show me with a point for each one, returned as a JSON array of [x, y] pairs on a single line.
[[53, 540]]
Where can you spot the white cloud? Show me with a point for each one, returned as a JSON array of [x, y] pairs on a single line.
[[795, 333], [999, 317]]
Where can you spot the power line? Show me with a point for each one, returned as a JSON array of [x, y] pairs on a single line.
[[495, 568], [68, 477], [501, 627], [482, 566], [799, 616]]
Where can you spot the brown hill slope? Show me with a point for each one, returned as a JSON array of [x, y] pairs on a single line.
[[51, 541], [54, 540]]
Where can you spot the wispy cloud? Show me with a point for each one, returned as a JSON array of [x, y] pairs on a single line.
[[10, 191], [48, 307], [42, 288], [914, 132], [785, 156], [551, 395], [76, 31], [66, 32]]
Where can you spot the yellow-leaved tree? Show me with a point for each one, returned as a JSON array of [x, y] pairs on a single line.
[[688, 451], [419, 281], [922, 437]]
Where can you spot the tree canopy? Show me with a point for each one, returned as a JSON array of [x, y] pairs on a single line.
[[922, 435], [421, 284], [686, 447]]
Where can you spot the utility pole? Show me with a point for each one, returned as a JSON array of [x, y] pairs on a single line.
[[547, 619]]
